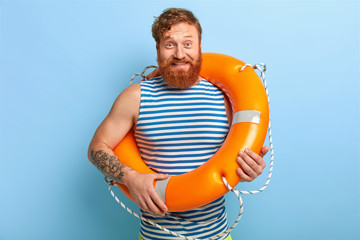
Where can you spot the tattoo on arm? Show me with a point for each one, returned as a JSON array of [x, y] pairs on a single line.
[[108, 164]]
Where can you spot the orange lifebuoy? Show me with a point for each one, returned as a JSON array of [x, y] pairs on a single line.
[[250, 123]]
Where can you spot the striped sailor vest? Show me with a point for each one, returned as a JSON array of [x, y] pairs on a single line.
[[177, 131]]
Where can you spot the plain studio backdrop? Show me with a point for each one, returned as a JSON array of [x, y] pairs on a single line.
[[63, 63]]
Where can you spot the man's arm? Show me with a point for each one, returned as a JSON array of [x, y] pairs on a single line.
[[111, 131], [121, 118]]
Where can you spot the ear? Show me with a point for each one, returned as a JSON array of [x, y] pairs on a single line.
[[157, 47]]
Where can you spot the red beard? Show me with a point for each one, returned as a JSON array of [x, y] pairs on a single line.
[[179, 78]]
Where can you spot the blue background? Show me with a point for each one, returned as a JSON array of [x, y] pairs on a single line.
[[64, 63]]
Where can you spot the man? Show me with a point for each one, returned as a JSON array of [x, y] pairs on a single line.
[[179, 122]]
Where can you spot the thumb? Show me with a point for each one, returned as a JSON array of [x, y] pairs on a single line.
[[263, 151], [161, 176]]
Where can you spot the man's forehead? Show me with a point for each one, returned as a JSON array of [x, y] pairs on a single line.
[[184, 29]]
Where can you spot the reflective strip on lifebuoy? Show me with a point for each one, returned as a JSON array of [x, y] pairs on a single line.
[[248, 130]]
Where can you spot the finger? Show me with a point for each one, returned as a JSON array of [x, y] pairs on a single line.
[[255, 157], [154, 195], [146, 203], [243, 176], [159, 203], [245, 163], [153, 208], [161, 176], [254, 161], [263, 151], [142, 204]]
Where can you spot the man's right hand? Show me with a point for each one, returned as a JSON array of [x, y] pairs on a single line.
[[141, 187]]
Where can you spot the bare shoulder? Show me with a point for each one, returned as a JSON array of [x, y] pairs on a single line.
[[120, 119], [128, 102], [125, 110], [130, 93]]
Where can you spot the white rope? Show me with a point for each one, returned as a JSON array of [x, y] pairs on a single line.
[[262, 68], [236, 192], [142, 74]]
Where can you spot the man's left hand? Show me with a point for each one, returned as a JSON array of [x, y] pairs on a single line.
[[251, 164]]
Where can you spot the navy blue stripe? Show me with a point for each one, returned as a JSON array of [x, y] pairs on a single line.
[[183, 110], [215, 206], [185, 121], [181, 128], [181, 139], [179, 99], [175, 161], [158, 81], [178, 150], [174, 173], [147, 93], [175, 144], [173, 167]]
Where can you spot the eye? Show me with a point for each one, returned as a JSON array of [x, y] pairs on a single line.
[[169, 45], [188, 44]]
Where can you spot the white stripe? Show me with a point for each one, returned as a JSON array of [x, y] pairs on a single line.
[[142, 121], [180, 125], [188, 130], [217, 101], [180, 112], [203, 135], [155, 92], [180, 141], [185, 148], [182, 108]]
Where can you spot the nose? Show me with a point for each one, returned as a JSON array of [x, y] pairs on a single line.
[[179, 53]]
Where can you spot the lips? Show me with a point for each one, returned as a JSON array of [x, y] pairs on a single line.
[[180, 64]]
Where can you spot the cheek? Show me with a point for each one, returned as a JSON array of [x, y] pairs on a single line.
[[164, 55], [162, 58], [194, 53]]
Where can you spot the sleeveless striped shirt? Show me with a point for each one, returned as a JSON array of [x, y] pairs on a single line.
[[176, 132]]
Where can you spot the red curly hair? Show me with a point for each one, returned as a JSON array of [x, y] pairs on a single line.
[[170, 17]]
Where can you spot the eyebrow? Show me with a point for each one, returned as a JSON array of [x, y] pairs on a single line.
[[186, 36]]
